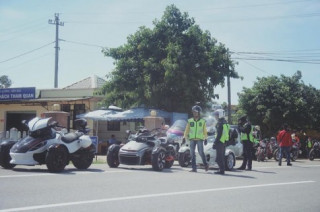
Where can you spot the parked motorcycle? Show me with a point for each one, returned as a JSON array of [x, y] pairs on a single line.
[[143, 148], [315, 151], [47, 145], [294, 152], [261, 151]]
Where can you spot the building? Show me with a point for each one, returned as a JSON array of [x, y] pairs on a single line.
[[17, 104]]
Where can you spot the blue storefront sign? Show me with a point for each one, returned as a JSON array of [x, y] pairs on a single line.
[[17, 93]]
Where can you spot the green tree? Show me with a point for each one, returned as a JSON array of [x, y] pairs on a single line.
[[273, 101], [170, 66], [5, 82]]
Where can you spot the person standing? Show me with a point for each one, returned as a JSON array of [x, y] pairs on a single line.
[[222, 135], [285, 142], [309, 145], [112, 140], [247, 140], [196, 132]]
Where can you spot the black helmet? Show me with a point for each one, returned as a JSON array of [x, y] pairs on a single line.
[[196, 108], [243, 118]]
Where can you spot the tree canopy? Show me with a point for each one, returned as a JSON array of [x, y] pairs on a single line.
[[170, 66], [273, 101], [5, 82]]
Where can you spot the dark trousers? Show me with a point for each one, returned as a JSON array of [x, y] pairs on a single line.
[[284, 150], [247, 154], [220, 151]]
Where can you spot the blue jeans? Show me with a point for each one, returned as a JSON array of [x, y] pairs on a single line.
[[199, 144], [286, 150]]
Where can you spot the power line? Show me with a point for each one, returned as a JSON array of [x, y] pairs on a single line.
[[280, 60], [28, 61], [81, 43], [28, 52]]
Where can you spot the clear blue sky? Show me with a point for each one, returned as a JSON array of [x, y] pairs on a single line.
[[271, 29]]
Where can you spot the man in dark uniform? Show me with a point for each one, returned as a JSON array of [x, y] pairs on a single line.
[[246, 136], [222, 135]]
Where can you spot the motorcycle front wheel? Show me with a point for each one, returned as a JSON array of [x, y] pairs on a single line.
[[276, 154], [184, 159], [311, 155], [57, 159]]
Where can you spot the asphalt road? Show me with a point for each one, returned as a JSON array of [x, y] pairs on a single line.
[[267, 187]]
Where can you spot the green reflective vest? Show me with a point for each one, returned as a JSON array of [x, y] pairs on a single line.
[[244, 136], [196, 129], [309, 143], [225, 133]]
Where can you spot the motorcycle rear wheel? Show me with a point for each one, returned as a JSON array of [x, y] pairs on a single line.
[[84, 160]]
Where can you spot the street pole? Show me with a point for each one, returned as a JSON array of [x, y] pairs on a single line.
[[57, 48], [229, 98]]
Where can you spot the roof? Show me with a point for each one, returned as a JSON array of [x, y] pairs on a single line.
[[89, 82]]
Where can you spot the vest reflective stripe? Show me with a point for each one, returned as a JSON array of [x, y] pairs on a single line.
[[225, 133], [244, 136], [196, 129]]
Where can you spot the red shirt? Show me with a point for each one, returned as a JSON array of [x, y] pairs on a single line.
[[284, 138]]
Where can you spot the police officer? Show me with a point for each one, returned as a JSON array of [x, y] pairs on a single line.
[[247, 140], [222, 129], [196, 132]]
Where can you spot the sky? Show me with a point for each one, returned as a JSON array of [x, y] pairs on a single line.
[[266, 37]]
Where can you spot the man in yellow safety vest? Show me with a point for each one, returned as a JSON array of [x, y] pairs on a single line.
[[196, 132], [222, 135]]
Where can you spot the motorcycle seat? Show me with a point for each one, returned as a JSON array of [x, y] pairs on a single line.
[[70, 137]]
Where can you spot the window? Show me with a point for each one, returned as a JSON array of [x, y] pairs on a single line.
[[113, 125]]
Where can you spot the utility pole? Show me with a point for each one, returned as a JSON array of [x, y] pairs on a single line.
[[57, 23], [229, 98]]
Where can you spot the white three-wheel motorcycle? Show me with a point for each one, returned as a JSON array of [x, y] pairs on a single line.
[[46, 145]]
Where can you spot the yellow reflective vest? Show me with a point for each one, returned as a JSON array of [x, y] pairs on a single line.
[[225, 133], [196, 130], [244, 136]]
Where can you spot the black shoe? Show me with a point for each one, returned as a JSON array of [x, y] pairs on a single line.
[[241, 168], [193, 170], [248, 169], [219, 172], [279, 163], [289, 164], [206, 167]]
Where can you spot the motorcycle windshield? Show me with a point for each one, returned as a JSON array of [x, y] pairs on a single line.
[[27, 143]]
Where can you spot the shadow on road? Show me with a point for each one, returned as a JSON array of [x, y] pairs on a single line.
[[66, 171]]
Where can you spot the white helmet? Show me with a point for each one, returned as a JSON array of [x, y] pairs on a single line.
[[219, 112]]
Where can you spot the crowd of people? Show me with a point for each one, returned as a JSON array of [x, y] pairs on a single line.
[[196, 132]]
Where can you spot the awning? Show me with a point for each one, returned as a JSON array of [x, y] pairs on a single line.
[[136, 114]]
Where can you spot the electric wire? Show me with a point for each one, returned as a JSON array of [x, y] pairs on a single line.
[[28, 52]]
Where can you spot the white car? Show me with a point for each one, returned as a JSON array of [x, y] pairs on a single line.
[[233, 151]]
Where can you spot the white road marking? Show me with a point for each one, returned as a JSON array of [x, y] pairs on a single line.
[[149, 196], [285, 166]]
